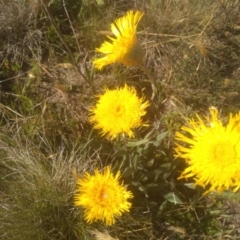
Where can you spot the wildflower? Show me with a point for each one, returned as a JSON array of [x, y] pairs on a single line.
[[124, 48], [102, 196], [118, 112], [213, 153]]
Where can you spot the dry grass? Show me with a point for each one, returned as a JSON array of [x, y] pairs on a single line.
[[48, 84]]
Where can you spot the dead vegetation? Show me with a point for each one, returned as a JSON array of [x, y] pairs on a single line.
[[48, 84]]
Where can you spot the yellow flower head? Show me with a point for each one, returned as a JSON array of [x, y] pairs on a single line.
[[102, 197], [124, 48], [213, 153], [118, 112]]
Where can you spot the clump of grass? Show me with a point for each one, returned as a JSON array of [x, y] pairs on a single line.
[[37, 190], [18, 33]]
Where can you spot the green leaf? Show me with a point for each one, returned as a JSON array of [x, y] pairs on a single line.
[[137, 143], [173, 198], [119, 153], [155, 187], [160, 138], [162, 208], [190, 185], [127, 172], [140, 187]]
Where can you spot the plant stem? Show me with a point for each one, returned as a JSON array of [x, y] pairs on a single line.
[[151, 79], [51, 19]]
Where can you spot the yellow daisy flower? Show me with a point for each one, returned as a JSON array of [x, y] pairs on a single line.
[[124, 48], [118, 111], [213, 153], [102, 196]]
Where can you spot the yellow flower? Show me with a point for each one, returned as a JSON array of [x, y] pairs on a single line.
[[102, 197], [118, 112], [213, 153], [124, 48]]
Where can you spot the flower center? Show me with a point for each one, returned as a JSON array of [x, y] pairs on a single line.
[[118, 110], [103, 197], [224, 153]]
